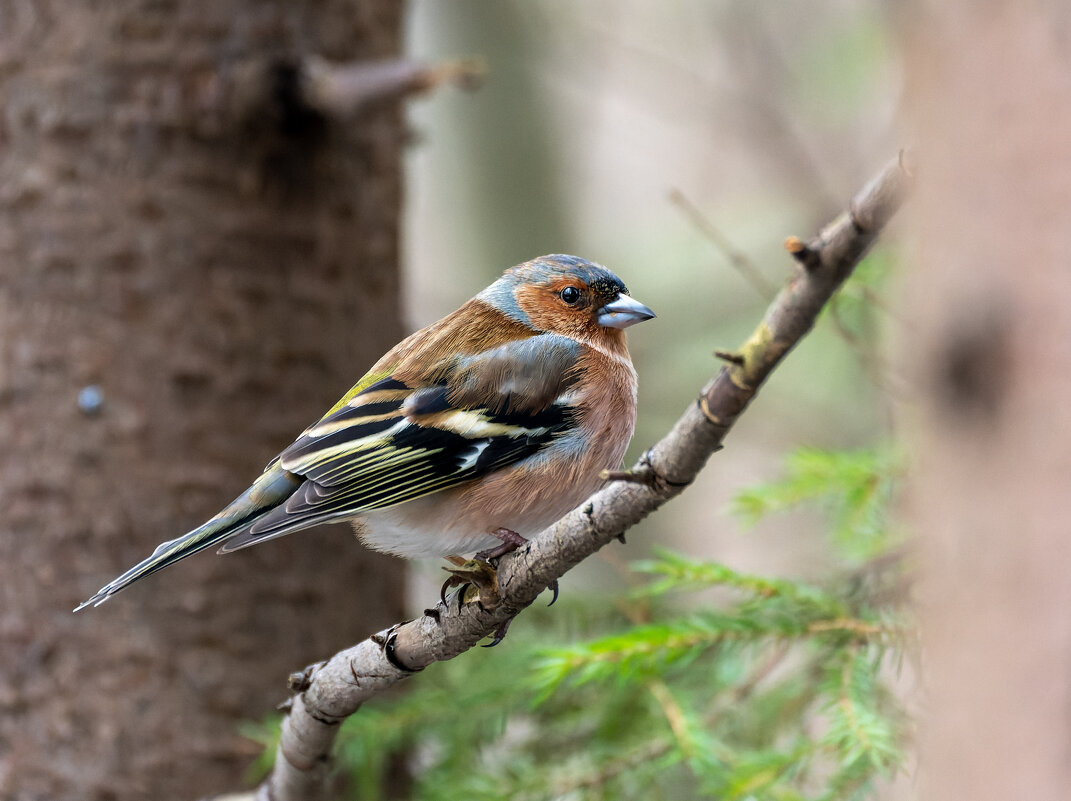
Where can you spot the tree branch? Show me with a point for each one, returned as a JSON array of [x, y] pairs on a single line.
[[345, 89], [292, 91], [333, 690]]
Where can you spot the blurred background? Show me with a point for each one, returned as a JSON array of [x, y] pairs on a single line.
[[199, 255], [215, 215], [623, 132]]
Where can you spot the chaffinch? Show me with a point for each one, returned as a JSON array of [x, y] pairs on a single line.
[[484, 427]]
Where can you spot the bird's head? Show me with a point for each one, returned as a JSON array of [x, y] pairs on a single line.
[[567, 295]]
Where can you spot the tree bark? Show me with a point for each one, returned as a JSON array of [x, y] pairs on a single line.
[[989, 301], [194, 266]]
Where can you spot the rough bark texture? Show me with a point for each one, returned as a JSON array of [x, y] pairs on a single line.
[[221, 266], [989, 301]]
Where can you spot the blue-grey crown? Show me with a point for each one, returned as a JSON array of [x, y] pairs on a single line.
[[546, 269]]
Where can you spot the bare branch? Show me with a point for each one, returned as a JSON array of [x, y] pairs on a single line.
[[335, 689], [258, 95], [345, 89]]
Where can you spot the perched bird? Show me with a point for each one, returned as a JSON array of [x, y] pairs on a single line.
[[480, 429]]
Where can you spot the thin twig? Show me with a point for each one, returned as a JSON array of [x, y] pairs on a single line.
[[737, 258]]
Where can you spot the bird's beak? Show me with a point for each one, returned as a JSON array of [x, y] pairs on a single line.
[[623, 312]]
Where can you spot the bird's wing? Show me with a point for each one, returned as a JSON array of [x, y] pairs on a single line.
[[408, 435]]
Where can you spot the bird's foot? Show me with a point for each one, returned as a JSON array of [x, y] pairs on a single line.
[[511, 541], [479, 584], [479, 573], [477, 579]]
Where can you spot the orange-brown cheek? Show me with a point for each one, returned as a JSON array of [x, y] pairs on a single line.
[[547, 313]]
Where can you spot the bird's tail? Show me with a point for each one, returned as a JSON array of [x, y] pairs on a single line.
[[272, 488]]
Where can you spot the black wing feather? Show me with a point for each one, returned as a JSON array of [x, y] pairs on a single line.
[[431, 439]]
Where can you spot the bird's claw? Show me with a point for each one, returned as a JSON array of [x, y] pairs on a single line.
[[554, 589], [478, 580], [500, 633]]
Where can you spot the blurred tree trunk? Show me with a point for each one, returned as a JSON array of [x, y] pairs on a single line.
[[989, 300], [222, 275], [502, 168]]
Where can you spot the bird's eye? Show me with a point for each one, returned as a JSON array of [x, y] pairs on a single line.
[[570, 295]]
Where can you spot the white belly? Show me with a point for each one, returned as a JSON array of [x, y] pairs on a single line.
[[451, 523]]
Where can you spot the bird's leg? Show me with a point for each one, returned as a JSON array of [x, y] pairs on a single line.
[[511, 541]]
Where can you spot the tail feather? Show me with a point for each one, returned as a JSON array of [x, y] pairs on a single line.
[[165, 555], [273, 487]]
